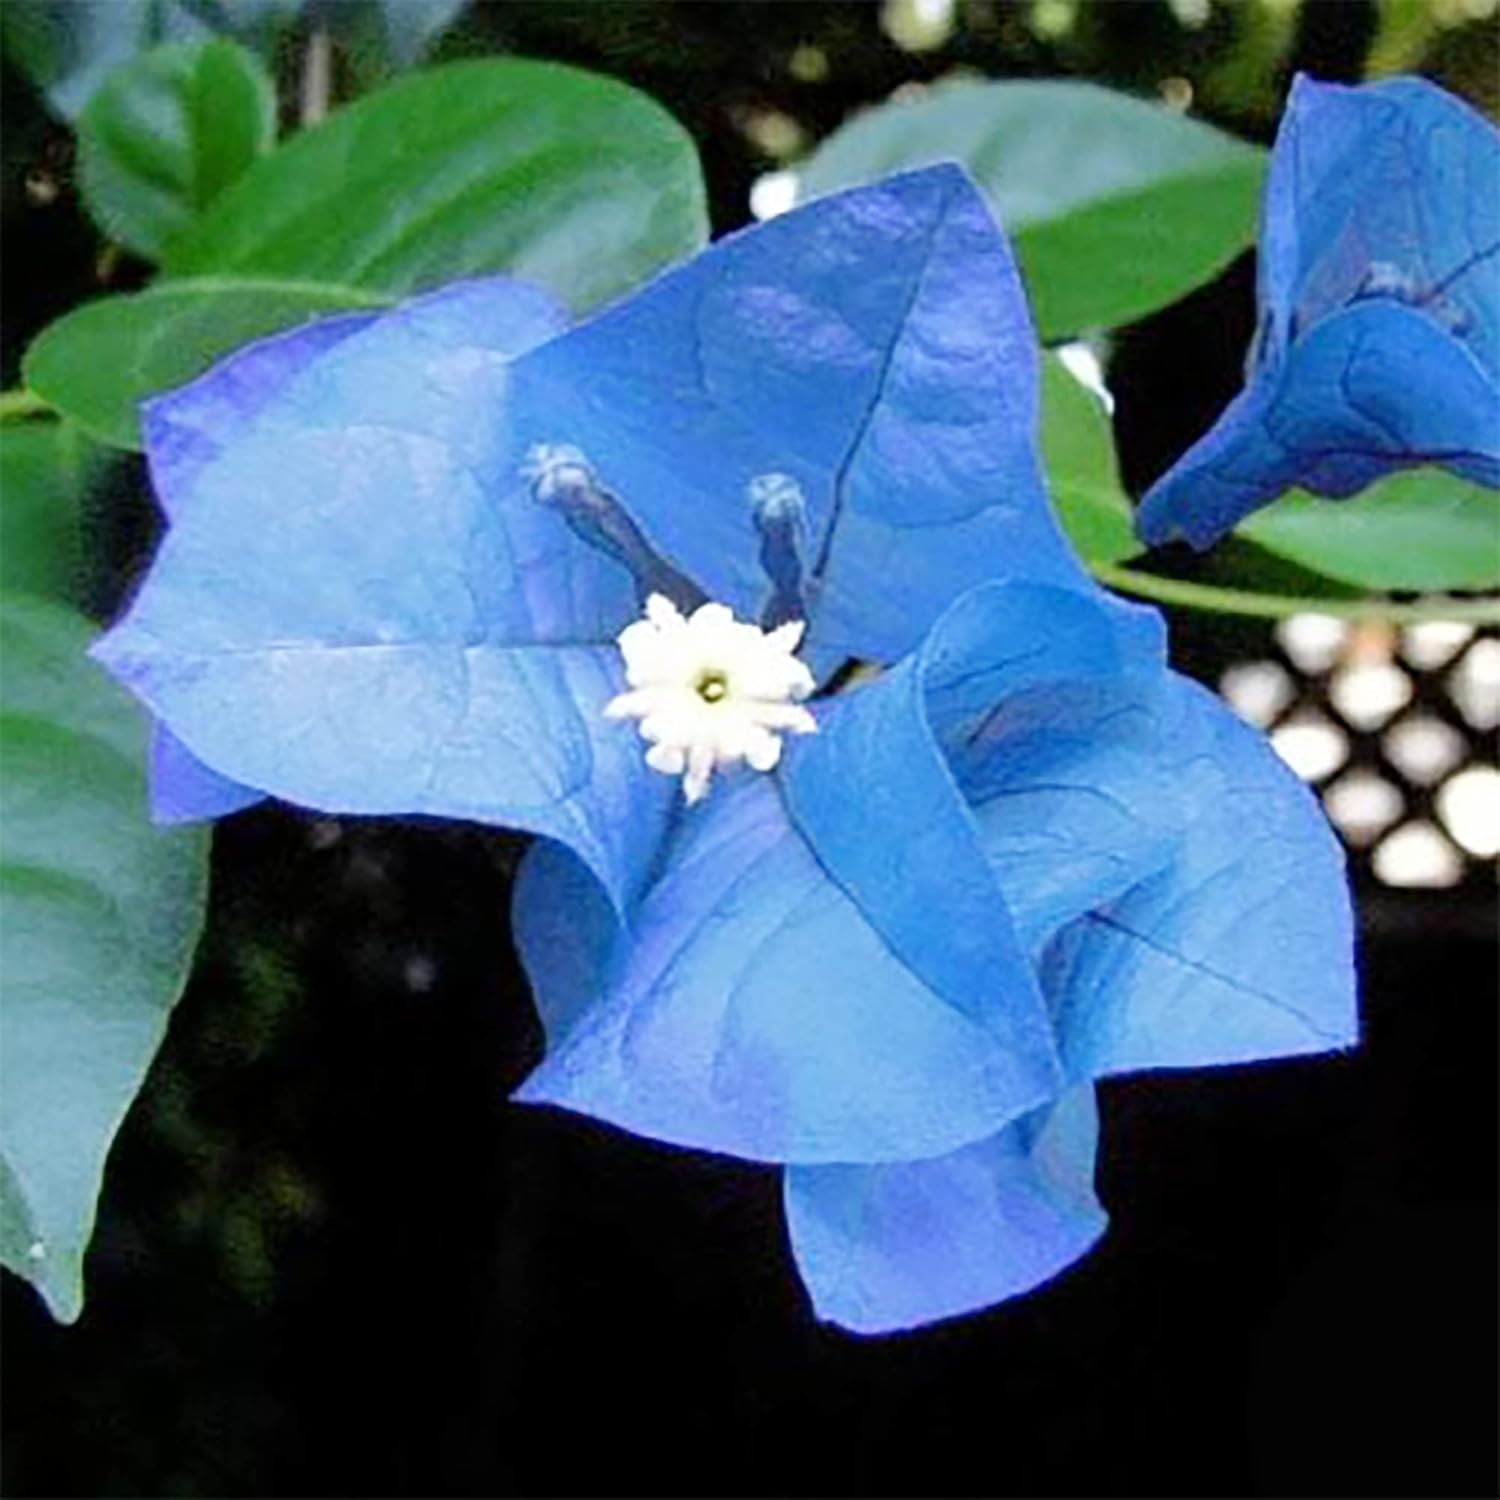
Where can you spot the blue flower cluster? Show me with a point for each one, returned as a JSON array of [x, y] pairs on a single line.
[[1378, 344], [1018, 853]]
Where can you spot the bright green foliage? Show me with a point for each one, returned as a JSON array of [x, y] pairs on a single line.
[[1116, 207], [99, 362], [100, 912], [568, 180], [167, 133], [45, 467], [552, 175], [1420, 530], [1083, 474]]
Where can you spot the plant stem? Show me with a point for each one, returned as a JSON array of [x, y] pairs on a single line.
[[317, 78], [1227, 601], [20, 403]]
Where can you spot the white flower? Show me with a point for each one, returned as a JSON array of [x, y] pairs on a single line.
[[710, 690]]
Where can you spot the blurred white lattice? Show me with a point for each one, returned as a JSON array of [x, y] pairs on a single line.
[[1393, 726]]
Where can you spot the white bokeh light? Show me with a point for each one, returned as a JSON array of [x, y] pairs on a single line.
[[1257, 691], [1418, 855], [1082, 361], [1362, 805], [1474, 684], [1469, 805], [1313, 642], [1368, 693], [773, 193], [1423, 749], [1430, 643], [1311, 746]]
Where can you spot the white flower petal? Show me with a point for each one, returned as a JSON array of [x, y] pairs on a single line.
[[763, 751], [661, 612], [671, 760], [789, 636], [710, 691]]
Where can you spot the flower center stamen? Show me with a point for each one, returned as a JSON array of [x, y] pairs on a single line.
[[563, 479], [709, 691], [713, 687]]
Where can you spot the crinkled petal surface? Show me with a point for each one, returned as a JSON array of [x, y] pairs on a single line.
[[824, 973], [884, 1248], [1373, 389], [191, 426], [353, 524], [1384, 189], [1182, 889], [753, 1008], [874, 347], [875, 798], [360, 606], [1379, 346], [825, 970], [184, 431]]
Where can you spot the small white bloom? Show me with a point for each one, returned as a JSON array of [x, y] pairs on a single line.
[[710, 690]]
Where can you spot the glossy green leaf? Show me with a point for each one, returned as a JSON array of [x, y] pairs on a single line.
[[1420, 530], [1083, 474], [166, 133], [98, 363], [559, 177], [1116, 206], [45, 468], [101, 912]]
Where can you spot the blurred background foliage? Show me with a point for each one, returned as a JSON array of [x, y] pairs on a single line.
[[329, 1258]]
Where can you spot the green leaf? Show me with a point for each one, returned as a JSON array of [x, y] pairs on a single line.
[[552, 175], [66, 47], [558, 177], [1421, 530], [1236, 563], [1083, 474], [1115, 206], [101, 912], [99, 362], [45, 468], [166, 133]]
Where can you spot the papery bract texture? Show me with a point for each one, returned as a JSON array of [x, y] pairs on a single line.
[[183, 432], [874, 349], [1378, 345], [895, 1246], [753, 1009], [1097, 869], [358, 605], [363, 605], [401, 549]]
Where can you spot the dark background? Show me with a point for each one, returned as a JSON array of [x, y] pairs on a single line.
[[333, 1260]]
